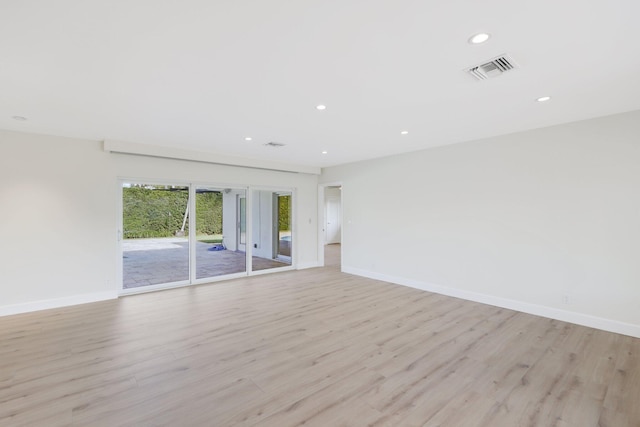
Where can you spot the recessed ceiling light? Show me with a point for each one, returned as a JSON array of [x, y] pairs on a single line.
[[248, 138], [324, 152], [321, 107], [19, 118], [404, 132], [479, 38], [543, 99]]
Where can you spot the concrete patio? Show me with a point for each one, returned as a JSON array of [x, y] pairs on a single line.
[[165, 260]]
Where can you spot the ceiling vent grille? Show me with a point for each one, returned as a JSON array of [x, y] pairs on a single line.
[[274, 144], [492, 68]]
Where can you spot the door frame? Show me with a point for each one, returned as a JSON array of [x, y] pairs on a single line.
[[276, 226], [242, 247], [322, 220], [120, 238], [332, 237], [192, 185], [294, 227]]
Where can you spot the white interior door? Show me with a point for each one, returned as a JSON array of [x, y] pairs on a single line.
[[334, 221]]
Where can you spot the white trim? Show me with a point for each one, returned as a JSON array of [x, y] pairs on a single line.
[[293, 223], [221, 278], [305, 265], [191, 204], [28, 307], [272, 270], [205, 157], [321, 219], [119, 237], [525, 307], [153, 288], [248, 229]]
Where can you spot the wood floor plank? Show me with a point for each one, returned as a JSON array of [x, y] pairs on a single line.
[[315, 347]]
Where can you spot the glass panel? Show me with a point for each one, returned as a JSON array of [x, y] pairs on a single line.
[[272, 231], [219, 232], [242, 213], [155, 246], [284, 227]]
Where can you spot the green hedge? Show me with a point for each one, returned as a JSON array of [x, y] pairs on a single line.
[[284, 211], [159, 212], [209, 213]]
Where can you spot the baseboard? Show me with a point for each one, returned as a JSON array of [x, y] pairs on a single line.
[[305, 265], [538, 310], [27, 307]]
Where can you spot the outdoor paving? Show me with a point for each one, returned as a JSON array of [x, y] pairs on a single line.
[[155, 261]]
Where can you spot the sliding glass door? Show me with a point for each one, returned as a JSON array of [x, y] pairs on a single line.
[[155, 234], [220, 238], [176, 234], [272, 229], [282, 201]]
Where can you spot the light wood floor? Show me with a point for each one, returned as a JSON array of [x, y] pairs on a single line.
[[316, 347]]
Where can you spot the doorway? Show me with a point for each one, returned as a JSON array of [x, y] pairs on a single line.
[[217, 251], [330, 215], [272, 229], [154, 234], [176, 234], [333, 215]]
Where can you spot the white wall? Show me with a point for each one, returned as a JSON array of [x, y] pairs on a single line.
[[230, 218], [58, 214], [57, 222], [262, 223], [546, 221]]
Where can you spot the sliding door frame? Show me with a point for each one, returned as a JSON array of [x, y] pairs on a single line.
[[193, 242], [120, 237], [294, 230], [192, 185]]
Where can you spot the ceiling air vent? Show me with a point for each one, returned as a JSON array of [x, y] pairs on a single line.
[[492, 68], [273, 144]]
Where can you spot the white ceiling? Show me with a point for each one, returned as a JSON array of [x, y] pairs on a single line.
[[204, 74]]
